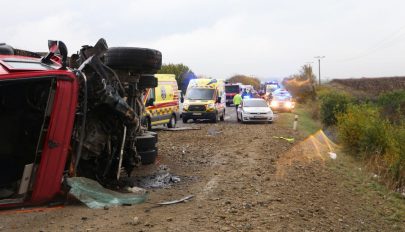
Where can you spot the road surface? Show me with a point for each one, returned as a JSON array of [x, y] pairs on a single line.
[[242, 179]]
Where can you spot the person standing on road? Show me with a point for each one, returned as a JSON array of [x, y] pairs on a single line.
[[237, 99]]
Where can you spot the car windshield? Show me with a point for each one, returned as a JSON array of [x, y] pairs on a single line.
[[255, 103], [232, 89], [200, 94]]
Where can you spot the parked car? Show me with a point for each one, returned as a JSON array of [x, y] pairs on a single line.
[[254, 110], [205, 99], [282, 101]]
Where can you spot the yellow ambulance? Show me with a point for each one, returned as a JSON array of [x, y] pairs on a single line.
[[162, 102], [204, 99]]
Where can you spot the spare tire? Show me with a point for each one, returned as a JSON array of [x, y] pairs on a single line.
[[139, 60], [145, 142], [148, 157]]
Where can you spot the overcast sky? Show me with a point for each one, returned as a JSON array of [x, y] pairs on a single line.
[[268, 39]]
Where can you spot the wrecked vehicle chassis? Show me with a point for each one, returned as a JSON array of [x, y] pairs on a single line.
[[76, 118]]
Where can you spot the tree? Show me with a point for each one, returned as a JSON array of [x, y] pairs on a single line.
[[246, 80], [182, 73], [302, 85]]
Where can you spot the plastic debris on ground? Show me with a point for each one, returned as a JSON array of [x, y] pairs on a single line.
[[213, 131], [291, 140], [184, 199], [332, 155], [95, 196]]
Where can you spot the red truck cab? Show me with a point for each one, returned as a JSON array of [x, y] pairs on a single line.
[[38, 102], [231, 89]]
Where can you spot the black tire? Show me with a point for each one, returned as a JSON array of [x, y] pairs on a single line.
[[215, 119], [172, 122], [147, 81], [222, 118], [185, 119], [154, 134], [148, 157], [145, 142], [139, 60]]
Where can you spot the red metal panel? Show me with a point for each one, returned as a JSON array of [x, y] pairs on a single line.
[[53, 160]]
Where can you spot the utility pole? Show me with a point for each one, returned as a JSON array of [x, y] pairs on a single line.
[[319, 66]]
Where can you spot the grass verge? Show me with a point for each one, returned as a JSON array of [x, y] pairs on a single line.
[[306, 125]]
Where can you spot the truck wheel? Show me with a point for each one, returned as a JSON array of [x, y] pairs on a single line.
[[145, 142], [216, 117], [140, 60], [185, 119], [172, 122], [154, 134], [148, 157]]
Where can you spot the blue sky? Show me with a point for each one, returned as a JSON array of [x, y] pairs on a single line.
[[268, 39]]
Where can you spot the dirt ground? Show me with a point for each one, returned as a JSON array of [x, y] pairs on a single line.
[[242, 179]]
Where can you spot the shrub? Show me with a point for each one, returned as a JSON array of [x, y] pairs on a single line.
[[392, 105], [365, 134], [332, 104]]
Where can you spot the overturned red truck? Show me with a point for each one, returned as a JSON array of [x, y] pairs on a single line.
[[77, 116]]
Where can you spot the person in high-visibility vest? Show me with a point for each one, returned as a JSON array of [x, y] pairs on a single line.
[[237, 99]]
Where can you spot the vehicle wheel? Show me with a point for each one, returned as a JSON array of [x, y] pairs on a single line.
[[216, 117], [145, 142], [148, 157], [222, 118], [241, 119], [237, 117], [154, 134], [185, 120], [140, 60], [172, 122]]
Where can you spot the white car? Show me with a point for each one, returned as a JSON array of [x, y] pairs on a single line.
[[254, 110]]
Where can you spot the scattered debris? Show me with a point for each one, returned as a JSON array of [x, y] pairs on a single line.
[[184, 199], [161, 179], [291, 140], [181, 128], [213, 131], [332, 155], [95, 196]]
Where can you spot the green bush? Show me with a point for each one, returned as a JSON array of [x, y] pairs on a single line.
[[393, 105], [365, 134], [332, 104]]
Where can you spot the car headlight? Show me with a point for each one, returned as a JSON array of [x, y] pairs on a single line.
[[274, 104], [211, 106]]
